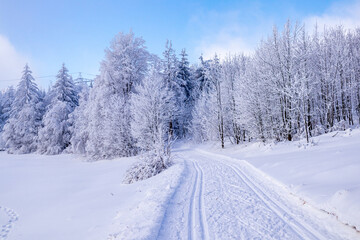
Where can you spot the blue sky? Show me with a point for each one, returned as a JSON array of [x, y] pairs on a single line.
[[47, 33]]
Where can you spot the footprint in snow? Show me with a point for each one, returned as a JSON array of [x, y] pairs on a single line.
[[12, 217]]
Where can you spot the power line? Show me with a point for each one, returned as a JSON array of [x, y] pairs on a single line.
[[48, 76], [16, 79], [83, 73]]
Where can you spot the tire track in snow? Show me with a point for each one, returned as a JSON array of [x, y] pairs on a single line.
[[5, 228]]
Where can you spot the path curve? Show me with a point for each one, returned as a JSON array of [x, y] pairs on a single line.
[[220, 199]]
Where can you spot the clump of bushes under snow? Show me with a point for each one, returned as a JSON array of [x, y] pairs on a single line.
[[150, 164]]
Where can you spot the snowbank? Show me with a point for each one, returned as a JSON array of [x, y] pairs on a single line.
[[143, 220]]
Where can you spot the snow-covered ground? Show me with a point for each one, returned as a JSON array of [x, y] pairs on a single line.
[[65, 197], [224, 198], [324, 174], [259, 191]]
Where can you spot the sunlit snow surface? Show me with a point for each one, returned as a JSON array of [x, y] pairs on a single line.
[[209, 193], [325, 173]]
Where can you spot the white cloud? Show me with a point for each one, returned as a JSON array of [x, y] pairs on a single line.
[[340, 13], [222, 43], [237, 31], [228, 32], [11, 63]]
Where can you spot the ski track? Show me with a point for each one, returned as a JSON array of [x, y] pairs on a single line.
[[302, 230], [220, 199], [12, 217], [197, 210], [185, 217]]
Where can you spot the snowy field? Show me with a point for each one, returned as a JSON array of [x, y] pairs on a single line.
[[64, 197], [280, 191]]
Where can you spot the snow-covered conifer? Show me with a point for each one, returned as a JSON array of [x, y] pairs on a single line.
[[170, 68], [186, 98], [55, 134], [6, 99], [21, 129], [78, 118]]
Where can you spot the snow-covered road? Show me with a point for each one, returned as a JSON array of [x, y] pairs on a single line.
[[220, 198]]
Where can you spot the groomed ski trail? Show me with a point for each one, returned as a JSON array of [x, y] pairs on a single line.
[[222, 199], [197, 210], [185, 217]]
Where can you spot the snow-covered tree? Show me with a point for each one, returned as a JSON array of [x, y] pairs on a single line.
[[64, 89], [208, 113], [186, 98], [170, 68], [204, 124], [21, 129], [151, 107], [55, 134], [201, 82], [6, 100], [234, 69], [79, 132], [213, 73], [109, 109]]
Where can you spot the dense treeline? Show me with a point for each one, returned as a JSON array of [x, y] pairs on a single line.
[[296, 85]]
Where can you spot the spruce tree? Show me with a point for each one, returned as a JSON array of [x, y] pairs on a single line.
[[21, 129], [55, 134], [185, 96]]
